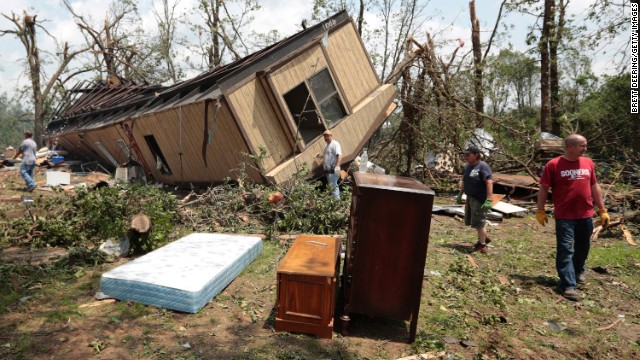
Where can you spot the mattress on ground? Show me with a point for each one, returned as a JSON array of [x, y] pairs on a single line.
[[185, 274]]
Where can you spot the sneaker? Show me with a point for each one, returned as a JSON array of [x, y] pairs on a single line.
[[481, 248], [571, 294], [31, 188], [581, 279]]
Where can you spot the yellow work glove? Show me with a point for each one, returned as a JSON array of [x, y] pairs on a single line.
[[542, 218], [604, 218], [459, 199]]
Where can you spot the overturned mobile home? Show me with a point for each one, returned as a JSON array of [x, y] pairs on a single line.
[[273, 105]]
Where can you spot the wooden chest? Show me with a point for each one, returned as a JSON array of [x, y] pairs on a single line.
[[386, 248], [307, 286]]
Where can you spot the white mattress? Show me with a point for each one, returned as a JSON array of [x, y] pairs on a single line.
[[185, 274]]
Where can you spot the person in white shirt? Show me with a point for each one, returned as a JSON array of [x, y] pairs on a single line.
[[331, 163], [28, 149]]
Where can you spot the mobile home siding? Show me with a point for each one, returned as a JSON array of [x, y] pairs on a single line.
[[223, 153], [251, 104], [298, 70], [351, 64]]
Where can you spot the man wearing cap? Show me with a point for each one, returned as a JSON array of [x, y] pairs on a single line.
[[331, 163], [477, 184], [28, 149], [572, 177]]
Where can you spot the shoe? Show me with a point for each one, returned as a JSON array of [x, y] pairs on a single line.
[[481, 248], [31, 188], [571, 294], [581, 279]]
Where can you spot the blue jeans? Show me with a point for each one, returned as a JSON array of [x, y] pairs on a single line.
[[573, 240], [26, 171], [332, 183]]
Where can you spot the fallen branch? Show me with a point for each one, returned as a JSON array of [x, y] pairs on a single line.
[[599, 228], [609, 326]]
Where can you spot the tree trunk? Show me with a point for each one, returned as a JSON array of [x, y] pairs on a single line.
[[543, 46], [361, 17], [477, 63], [554, 81], [33, 58]]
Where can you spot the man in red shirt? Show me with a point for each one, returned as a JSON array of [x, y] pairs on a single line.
[[573, 180]]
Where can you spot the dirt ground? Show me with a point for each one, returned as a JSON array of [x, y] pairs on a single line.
[[497, 306]]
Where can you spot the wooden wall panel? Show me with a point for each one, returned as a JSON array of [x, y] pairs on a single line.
[[108, 136], [300, 68], [261, 125], [223, 153], [351, 64]]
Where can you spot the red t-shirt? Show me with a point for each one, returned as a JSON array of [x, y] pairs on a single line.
[[571, 182]]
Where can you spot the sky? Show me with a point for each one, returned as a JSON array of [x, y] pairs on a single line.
[[449, 21]]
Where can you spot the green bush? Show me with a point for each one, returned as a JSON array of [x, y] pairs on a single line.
[[92, 216], [309, 208]]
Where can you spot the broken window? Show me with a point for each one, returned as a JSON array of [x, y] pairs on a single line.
[[304, 100], [161, 163], [327, 96]]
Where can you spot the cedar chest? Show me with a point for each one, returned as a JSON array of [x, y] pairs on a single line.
[[307, 286]]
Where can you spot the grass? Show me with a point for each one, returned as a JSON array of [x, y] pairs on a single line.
[[503, 307]]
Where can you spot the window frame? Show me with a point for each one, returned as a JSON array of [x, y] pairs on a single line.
[[335, 95]]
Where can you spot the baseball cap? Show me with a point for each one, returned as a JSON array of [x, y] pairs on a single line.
[[472, 150]]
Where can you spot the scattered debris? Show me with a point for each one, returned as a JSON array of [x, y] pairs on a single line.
[[472, 261], [627, 235], [510, 209], [55, 178], [101, 296], [554, 326], [468, 343], [116, 249], [450, 340], [426, 356], [610, 325], [598, 229], [97, 303]]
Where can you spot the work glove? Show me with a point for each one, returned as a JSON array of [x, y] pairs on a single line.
[[604, 218], [459, 198], [486, 206], [542, 218], [336, 171]]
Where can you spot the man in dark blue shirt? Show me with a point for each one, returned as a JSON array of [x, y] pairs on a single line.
[[477, 184]]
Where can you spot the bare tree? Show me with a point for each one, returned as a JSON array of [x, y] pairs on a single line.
[[167, 28], [479, 59], [220, 33], [543, 47], [43, 89], [557, 32], [118, 44]]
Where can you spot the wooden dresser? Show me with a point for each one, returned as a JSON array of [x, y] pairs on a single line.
[[307, 286], [386, 248]]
